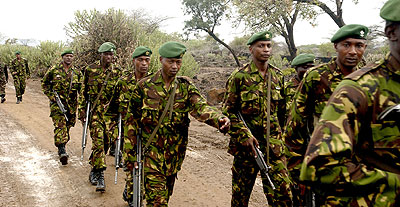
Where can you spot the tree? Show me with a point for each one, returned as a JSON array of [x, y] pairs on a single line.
[[279, 16], [337, 16], [205, 16]]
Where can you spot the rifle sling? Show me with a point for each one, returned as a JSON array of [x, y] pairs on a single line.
[[169, 106], [268, 112], [101, 90]]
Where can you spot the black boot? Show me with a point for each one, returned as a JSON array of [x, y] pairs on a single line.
[[93, 176], [101, 185], [63, 154], [112, 149], [125, 195], [3, 98], [18, 101]]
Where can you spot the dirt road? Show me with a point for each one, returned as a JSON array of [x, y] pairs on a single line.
[[31, 175]]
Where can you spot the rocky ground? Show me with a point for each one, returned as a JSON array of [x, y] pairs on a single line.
[[31, 174]]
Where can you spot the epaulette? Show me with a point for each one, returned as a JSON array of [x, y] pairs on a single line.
[[276, 68], [359, 73], [184, 79]]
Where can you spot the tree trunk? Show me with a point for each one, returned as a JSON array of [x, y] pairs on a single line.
[[225, 45]]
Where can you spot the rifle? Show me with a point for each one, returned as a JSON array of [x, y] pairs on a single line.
[[85, 127], [60, 105], [137, 173], [264, 168], [118, 148]]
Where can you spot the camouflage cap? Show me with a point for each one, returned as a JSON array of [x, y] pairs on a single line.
[[141, 51], [259, 36], [356, 31], [67, 51], [17, 52], [107, 47], [172, 50], [391, 11], [303, 58]]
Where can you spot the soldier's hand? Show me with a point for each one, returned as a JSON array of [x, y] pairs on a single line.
[[250, 144], [224, 124]]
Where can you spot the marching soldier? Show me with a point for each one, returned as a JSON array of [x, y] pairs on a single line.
[[98, 84], [20, 72], [313, 93], [123, 92], [161, 103], [3, 81], [256, 91], [61, 84], [354, 151]]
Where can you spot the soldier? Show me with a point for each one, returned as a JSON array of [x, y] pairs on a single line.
[[3, 81], [98, 84], [165, 138], [123, 92], [251, 91], [20, 72], [314, 92], [354, 151], [63, 80]]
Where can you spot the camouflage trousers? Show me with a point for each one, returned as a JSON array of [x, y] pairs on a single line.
[[2, 86], [244, 173], [19, 84], [61, 128], [101, 139], [158, 187], [111, 122]]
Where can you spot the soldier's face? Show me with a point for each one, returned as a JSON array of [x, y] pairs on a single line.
[[170, 66], [261, 50], [68, 58], [107, 57], [18, 56], [302, 69], [141, 64], [350, 51], [392, 32]]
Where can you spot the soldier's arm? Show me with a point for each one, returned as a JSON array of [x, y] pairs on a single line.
[[329, 163], [47, 84], [28, 72], [83, 96]]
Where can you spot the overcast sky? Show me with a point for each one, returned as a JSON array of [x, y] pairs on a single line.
[[45, 19]]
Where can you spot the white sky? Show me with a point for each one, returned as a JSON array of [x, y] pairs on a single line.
[[45, 19]]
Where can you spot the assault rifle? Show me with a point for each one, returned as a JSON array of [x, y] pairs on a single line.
[[85, 128], [264, 168], [60, 105], [118, 147], [137, 173]]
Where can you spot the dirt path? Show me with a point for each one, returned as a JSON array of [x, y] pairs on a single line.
[[31, 174]]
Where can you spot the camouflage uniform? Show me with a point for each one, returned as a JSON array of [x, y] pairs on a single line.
[[100, 131], [67, 85], [20, 72], [3, 79], [166, 153], [247, 94], [291, 87], [352, 151]]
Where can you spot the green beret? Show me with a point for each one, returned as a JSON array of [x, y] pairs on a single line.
[[141, 51], [17, 52], [303, 58], [172, 50], [107, 47], [67, 51], [356, 31], [391, 11], [259, 36]]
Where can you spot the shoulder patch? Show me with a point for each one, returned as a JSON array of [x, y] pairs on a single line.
[[359, 73]]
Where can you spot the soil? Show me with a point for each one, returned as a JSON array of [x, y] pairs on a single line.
[[31, 174]]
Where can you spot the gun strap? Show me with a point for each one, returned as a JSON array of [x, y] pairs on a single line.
[[169, 107], [70, 82], [268, 111], [101, 90]]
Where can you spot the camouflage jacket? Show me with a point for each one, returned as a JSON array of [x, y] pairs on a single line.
[[3, 72], [291, 87], [19, 68], [149, 98], [246, 92], [351, 150], [312, 95], [93, 80], [66, 84]]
